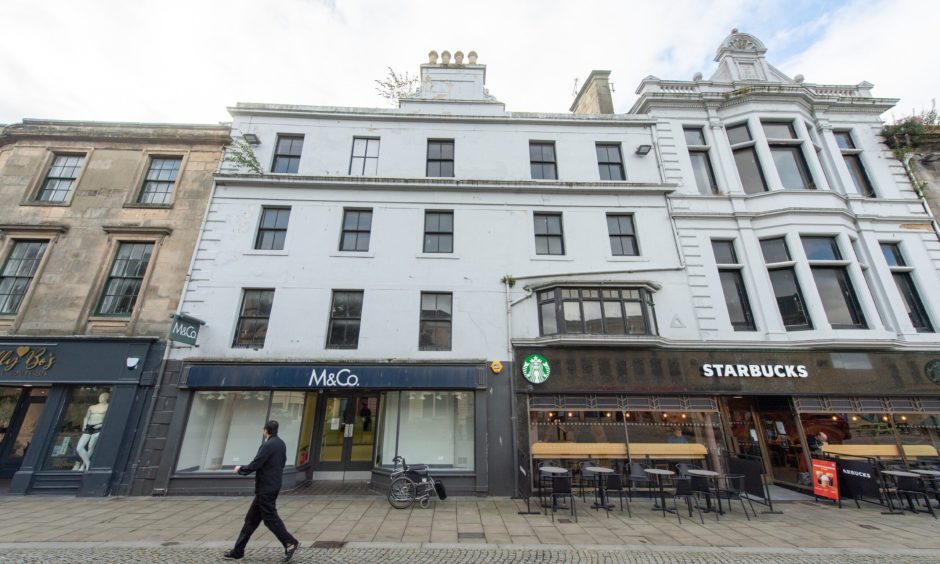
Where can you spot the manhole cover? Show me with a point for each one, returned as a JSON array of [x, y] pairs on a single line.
[[470, 536], [870, 527], [169, 543], [329, 544]]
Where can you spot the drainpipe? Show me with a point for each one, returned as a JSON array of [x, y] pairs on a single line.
[[507, 280]]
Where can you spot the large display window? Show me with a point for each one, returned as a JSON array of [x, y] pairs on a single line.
[[848, 428], [428, 427], [918, 429], [78, 430], [225, 428]]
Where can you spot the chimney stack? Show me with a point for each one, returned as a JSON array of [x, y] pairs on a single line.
[[594, 97]]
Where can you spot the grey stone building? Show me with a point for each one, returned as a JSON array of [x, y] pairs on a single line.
[[97, 226]]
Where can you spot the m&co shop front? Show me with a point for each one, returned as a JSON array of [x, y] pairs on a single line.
[[669, 405]]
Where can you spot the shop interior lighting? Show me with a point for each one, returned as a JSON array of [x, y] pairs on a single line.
[[570, 414], [834, 418]]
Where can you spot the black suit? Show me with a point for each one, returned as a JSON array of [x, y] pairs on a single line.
[[268, 467]]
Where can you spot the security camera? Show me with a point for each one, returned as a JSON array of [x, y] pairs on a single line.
[[132, 362]]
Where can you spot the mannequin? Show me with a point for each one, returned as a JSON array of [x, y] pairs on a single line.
[[91, 426]]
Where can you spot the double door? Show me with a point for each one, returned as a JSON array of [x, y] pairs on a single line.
[[348, 429], [767, 427], [20, 409]]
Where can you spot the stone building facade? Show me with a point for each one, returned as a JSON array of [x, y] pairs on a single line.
[[97, 229]]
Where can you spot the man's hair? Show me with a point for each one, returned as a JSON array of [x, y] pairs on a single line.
[[271, 427]]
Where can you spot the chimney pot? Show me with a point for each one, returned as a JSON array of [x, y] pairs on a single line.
[[472, 57], [458, 57], [432, 57], [445, 57]]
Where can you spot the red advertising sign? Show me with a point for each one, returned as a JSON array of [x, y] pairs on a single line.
[[825, 479]]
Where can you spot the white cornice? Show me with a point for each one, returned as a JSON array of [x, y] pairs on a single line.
[[645, 341]]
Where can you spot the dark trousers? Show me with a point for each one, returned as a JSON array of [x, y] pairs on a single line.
[[263, 509]]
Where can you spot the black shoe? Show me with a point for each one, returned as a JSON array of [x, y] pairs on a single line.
[[289, 552], [232, 554]]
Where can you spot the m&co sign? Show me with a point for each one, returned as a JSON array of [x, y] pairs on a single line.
[[24, 359]]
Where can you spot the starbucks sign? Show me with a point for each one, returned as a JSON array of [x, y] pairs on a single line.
[[536, 369]]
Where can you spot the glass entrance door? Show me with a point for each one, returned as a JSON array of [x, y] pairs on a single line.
[[347, 438], [19, 413], [765, 427]]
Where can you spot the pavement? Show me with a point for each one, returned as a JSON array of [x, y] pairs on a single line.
[[458, 530]]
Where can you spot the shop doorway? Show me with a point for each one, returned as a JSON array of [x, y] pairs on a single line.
[[347, 432], [767, 427], [20, 409]]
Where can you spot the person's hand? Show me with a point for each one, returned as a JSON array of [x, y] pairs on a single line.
[[238, 469]]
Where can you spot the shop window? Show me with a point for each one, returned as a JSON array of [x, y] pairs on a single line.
[[252, 328], [408, 417], [224, 429], [918, 429], [78, 429], [903, 279], [701, 163], [438, 231], [125, 278], [596, 311], [848, 429], [436, 322], [786, 287], [831, 275], [787, 152], [345, 320], [732, 285], [18, 272], [365, 157], [853, 161], [745, 158]]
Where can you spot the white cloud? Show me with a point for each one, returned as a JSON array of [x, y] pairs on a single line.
[[185, 61]]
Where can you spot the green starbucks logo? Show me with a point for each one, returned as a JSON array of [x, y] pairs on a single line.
[[536, 369], [933, 371]]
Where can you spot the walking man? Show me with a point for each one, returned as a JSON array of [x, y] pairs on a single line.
[[268, 467]]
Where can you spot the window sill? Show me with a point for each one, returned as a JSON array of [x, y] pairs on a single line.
[[261, 252], [563, 258], [445, 256], [138, 205], [627, 259], [47, 204], [353, 254]]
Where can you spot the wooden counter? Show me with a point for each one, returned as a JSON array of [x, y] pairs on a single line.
[[880, 451], [661, 451]]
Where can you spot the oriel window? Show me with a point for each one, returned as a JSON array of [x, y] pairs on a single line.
[[787, 151], [745, 159], [831, 275]]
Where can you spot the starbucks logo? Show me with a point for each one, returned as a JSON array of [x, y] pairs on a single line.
[[535, 368], [933, 371]]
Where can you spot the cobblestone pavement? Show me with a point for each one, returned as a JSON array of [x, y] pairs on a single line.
[[198, 529], [453, 555]]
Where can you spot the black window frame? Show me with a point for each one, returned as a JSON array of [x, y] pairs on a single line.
[[158, 183], [744, 152], [14, 292], [605, 165], [263, 319], [58, 169], [734, 270], [437, 159], [275, 233], [356, 233], [541, 163], [365, 158], [621, 238], [432, 321], [852, 157], [438, 234], [700, 151], [548, 236], [903, 276], [347, 321], [122, 280], [786, 268], [291, 157], [559, 295], [834, 263]]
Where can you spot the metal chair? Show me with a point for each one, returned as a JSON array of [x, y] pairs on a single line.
[[684, 490], [561, 489], [585, 476], [544, 478], [638, 475], [702, 485], [734, 488], [682, 469], [914, 488], [615, 485]]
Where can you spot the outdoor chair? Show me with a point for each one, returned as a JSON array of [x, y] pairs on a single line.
[[561, 489], [585, 477], [914, 488], [638, 475], [682, 469], [734, 488], [701, 485], [684, 491], [615, 486], [544, 478]]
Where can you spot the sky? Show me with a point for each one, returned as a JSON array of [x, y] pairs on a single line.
[[186, 61]]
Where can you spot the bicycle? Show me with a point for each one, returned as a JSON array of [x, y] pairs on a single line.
[[413, 483]]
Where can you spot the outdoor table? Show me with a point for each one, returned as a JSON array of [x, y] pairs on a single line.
[[901, 474], [712, 476], [600, 474], [658, 475], [934, 473], [553, 470]]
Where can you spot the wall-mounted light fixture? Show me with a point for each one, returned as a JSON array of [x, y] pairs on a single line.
[[251, 139], [643, 149]]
